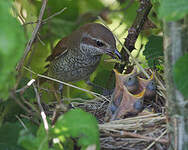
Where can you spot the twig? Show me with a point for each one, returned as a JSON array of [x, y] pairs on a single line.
[[40, 39], [43, 115], [13, 95], [30, 106], [34, 34], [22, 123], [134, 31], [30, 119], [47, 19], [73, 86], [134, 59], [175, 121], [123, 9], [126, 120], [21, 90], [157, 139], [55, 14], [129, 134]]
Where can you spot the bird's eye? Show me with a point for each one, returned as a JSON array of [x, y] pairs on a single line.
[[100, 44]]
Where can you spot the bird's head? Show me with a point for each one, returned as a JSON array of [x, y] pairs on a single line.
[[96, 39]]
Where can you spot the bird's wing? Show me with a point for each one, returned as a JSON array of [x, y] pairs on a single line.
[[60, 49]]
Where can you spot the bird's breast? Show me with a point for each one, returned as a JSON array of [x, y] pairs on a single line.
[[72, 68]]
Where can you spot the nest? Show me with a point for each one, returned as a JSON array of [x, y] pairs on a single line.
[[147, 130]]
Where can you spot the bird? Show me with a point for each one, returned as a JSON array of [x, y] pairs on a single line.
[[123, 102], [149, 85], [77, 56], [129, 95], [131, 81]]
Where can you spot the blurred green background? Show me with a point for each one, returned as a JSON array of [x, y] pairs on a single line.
[[118, 15]]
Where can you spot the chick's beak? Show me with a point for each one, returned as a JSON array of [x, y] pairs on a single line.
[[114, 54]]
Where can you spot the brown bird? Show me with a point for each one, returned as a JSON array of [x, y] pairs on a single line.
[[77, 56]]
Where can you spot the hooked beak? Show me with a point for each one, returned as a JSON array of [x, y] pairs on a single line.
[[114, 54]]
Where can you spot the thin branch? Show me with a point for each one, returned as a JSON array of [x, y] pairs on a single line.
[[22, 123], [123, 9], [134, 135], [21, 90], [13, 95], [156, 140], [31, 106], [47, 19], [134, 31], [55, 14], [34, 34], [43, 115], [134, 59], [73, 86]]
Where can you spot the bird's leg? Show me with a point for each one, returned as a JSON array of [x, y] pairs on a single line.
[[61, 90], [105, 91], [61, 94], [55, 92]]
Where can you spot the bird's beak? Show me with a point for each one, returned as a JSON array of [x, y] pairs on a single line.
[[114, 54]]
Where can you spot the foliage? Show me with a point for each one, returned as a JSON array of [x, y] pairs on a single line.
[[76, 127], [154, 51], [11, 48], [82, 126], [180, 72], [172, 10], [83, 129], [8, 136], [30, 142], [8, 111]]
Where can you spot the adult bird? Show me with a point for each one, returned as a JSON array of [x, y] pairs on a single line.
[[77, 56]]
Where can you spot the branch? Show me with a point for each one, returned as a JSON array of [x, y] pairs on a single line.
[[47, 19], [34, 34], [135, 135], [43, 115], [175, 46], [134, 31], [158, 140], [73, 86]]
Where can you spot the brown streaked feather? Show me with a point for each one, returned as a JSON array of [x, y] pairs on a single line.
[[59, 49]]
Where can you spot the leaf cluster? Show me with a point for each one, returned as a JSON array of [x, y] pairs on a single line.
[[75, 127]]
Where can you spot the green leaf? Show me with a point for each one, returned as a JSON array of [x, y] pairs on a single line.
[[56, 31], [12, 44], [31, 142], [131, 12], [9, 134], [8, 110], [154, 51], [89, 5], [180, 72], [71, 13], [78, 124], [172, 10], [38, 58]]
